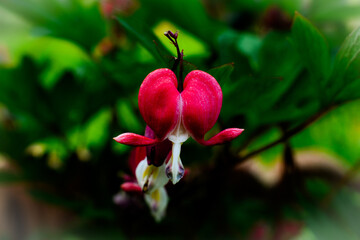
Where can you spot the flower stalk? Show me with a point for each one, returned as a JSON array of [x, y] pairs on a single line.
[[179, 60]]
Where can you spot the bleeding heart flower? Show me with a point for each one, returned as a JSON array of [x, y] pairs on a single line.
[[175, 116]]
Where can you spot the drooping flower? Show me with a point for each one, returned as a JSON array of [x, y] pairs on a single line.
[[148, 181], [175, 116]]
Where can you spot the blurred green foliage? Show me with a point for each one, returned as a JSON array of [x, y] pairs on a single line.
[[69, 79]]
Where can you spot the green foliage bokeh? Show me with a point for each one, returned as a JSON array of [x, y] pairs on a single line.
[[70, 74]]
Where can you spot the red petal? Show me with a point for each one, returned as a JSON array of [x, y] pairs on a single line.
[[159, 101], [131, 187], [133, 139], [222, 137], [137, 155], [157, 154], [202, 99]]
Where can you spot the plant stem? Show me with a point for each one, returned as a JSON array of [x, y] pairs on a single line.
[[287, 135], [179, 59]]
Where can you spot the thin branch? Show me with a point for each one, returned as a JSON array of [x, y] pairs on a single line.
[[286, 136]]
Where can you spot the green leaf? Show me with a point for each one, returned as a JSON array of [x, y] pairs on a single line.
[[249, 45], [127, 117], [230, 52], [331, 11], [52, 18], [279, 68], [192, 46], [22, 99], [350, 91], [347, 64], [347, 54], [96, 131], [187, 14], [188, 67], [222, 73], [58, 56], [14, 31], [146, 38], [312, 48], [28, 10]]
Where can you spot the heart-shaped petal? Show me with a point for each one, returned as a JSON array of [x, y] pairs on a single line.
[[159, 102], [201, 100]]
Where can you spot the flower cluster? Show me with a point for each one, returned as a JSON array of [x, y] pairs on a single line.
[[147, 179]]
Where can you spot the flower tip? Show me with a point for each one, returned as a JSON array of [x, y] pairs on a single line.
[[132, 139], [174, 180], [131, 187], [118, 138], [239, 130], [232, 133], [226, 135], [175, 174]]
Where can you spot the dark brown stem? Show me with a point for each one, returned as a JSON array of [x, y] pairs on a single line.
[[181, 70], [286, 135], [289, 161], [179, 59]]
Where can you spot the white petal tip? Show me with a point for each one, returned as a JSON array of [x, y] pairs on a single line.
[[175, 180], [175, 174], [157, 201]]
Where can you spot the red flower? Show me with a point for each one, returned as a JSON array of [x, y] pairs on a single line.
[[175, 115]]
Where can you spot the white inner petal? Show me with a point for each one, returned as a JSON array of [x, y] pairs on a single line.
[[157, 201], [174, 168], [139, 172], [150, 177]]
